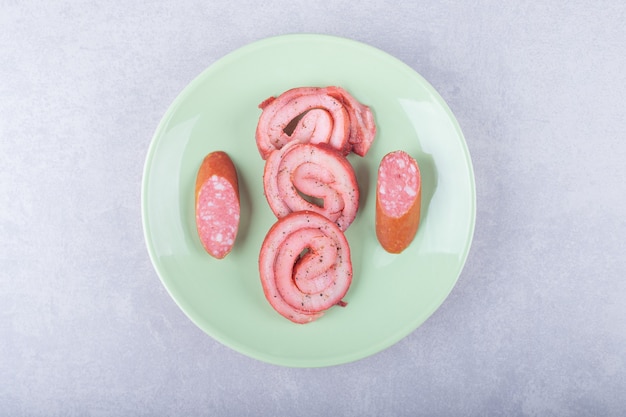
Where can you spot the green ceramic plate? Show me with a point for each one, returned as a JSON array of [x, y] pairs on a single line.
[[391, 295]]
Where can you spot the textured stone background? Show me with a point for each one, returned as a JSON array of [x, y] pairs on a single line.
[[536, 325]]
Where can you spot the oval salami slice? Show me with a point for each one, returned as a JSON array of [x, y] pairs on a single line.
[[305, 266], [217, 204], [315, 115], [318, 172], [398, 201]]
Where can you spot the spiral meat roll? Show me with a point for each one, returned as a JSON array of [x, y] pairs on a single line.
[[305, 266], [315, 115], [304, 176]]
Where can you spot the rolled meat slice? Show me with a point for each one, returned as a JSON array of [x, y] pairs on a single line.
[[398, 201], [217, 204], [315, 115], [304, 176], [362, 124], [305, 266]]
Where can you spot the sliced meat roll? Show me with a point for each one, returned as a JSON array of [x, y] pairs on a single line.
[[317, 178], [315, 115], [305, 266]]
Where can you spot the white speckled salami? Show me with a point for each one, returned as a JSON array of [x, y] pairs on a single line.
[[217, 204], [398, 201]]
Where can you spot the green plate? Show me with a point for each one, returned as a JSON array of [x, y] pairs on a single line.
[[391, 295]]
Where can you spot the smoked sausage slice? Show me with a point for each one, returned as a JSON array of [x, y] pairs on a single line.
[[398, 201], [217, 204]]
